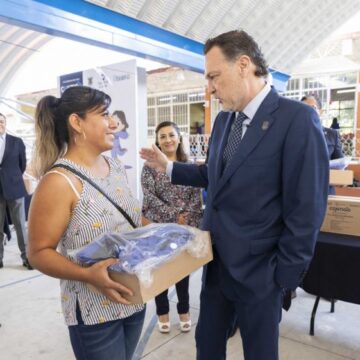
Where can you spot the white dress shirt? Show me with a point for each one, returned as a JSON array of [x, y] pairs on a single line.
[[252, 107]]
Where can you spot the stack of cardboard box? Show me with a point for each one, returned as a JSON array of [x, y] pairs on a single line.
[[343, 212]]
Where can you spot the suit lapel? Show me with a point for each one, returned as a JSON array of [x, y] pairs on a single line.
[[260, 125]]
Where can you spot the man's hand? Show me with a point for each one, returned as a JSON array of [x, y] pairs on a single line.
[[154, 158]]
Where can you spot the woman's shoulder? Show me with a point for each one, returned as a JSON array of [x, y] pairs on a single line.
[[114, 163]]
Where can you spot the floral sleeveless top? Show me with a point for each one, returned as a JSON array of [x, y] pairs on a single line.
[[92, 216]]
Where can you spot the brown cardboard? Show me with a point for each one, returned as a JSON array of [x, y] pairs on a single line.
[[165, 276], [341, 177], [342, 216], [347, 191]]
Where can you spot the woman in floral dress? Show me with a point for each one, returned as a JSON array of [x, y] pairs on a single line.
[[167, 203]]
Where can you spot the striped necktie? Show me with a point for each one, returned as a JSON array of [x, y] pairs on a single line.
[[234, 138]]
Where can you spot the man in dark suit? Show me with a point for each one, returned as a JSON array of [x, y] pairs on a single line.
[[267, 177], [12, 188], [332, 137]]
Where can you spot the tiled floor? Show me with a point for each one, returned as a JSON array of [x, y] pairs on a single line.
[[33, 328]]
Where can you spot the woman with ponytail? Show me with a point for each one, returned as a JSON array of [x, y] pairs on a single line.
[[67, 213]]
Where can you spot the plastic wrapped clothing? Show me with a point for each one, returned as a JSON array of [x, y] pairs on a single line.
[[340, 164], [144, 249]]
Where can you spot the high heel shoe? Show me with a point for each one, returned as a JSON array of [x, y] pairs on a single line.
[[185, 326], [164, 327]]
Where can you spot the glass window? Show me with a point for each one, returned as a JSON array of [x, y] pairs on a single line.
[[162, 100], [197, 96], [180, 98], [180, 114], [151, 101], [164, 113], [342, 80], [151, 117]]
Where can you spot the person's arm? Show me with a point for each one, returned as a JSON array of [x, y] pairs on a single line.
[[154, 208], [182, 174], [191, 174], [50, 214], [337, 153], [305, 183], [154, 158]]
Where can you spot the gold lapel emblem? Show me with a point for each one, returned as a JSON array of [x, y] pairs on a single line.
[[265, 125]]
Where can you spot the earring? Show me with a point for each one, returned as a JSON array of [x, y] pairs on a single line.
[[84, 135]]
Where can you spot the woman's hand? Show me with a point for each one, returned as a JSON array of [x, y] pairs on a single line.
[[145, 221], [98, 276]]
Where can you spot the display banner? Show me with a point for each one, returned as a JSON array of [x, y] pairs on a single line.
[[74, 79], [126, 85]]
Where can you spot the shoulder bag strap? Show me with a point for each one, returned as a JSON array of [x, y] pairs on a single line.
[[97, 187]]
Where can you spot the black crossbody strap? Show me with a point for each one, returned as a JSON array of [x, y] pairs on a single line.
[[97, 187]]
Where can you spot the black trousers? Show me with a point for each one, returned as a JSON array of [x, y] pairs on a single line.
[[182, 291]]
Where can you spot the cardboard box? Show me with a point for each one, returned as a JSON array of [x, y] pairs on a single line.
[[164, 277], [347, 191], [341, 177], [342, 215]]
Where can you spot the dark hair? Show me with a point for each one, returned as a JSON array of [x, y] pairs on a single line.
[[306, 97], [3, 116], [236, 43], [121, 115], [51, 122], [180, 152]]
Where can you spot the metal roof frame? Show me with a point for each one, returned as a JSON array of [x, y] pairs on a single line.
[[86, 22]]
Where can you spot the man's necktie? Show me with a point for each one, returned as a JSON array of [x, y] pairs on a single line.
[[234, 138]]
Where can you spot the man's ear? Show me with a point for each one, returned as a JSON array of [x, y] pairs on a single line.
[[244, 64], [75, 123]]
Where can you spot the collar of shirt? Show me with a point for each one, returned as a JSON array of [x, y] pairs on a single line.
[[252, 107]]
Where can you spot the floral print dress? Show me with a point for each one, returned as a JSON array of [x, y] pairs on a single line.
[[163, 201]]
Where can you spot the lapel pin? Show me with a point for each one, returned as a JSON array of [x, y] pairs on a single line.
[[265, 125]]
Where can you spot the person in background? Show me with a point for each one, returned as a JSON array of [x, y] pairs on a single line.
[[335, 125], [12, 189], [332, 137], [167, 203], [67, 213], [267, 178]]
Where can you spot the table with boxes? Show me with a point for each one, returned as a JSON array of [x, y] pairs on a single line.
[[334, 269]]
